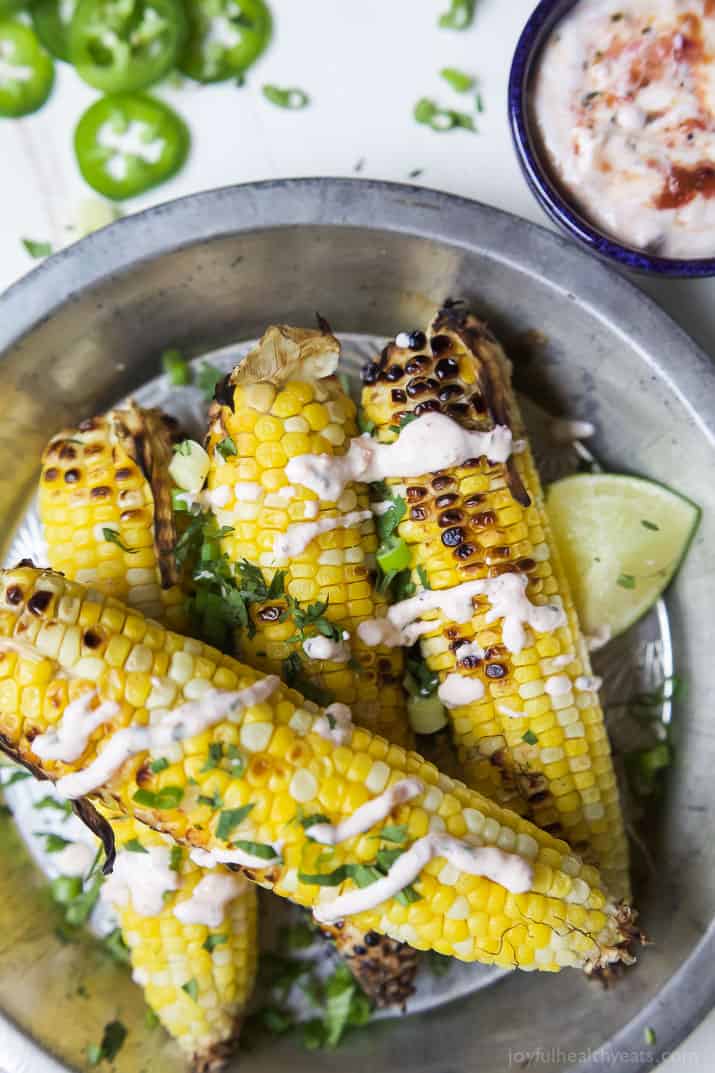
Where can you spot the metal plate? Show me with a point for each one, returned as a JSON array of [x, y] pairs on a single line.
[[374, 259]]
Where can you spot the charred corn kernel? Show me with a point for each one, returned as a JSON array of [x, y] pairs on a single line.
[[479, 520], [24, 597], [111, 526], [167, 954], [302, 411]]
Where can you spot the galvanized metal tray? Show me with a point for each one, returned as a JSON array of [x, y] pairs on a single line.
[[86, 328]]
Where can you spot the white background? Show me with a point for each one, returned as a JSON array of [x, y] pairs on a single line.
[[364, 64]]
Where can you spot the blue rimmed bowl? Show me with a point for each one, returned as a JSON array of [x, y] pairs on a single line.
[[552, 198]]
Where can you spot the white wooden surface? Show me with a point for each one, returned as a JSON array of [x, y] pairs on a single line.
[[364, 65]]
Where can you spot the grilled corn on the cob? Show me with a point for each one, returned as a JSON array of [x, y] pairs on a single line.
[[191, 935], [92, 695], [282, 401], [167, 953], [105, 504], [271, 410], [534, 738]]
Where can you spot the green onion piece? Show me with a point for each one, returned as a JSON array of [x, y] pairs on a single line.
[[292, 98], [459, 16], [37, 249], [53, 843], [458, 80], [393, 555], [230, 819], [176, 367], [394, 833], [439, 119], [426, 714], [115, 946]]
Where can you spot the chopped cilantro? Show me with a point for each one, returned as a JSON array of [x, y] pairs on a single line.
[[134, 846], [438, 964], [151, 1019], [276, 1020], [53, 843], [183, 448], [649, 525], [17, 776], [230, 819], [192, 989], [306, 822], [422, 575], [212, 941], [176, 858], [236, 761], [226, 447], [420, 681], [167, 798], [214, 757], [257, 849], [112, 537], [113, 1039], [365, 425], [649, 1036], [529, 737], [52, 802], [394, 833], [626, 581], [115, 946], [207, 379], [214, 801], [159, 765]]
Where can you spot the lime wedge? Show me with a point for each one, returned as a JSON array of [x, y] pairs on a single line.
[[621, 541]]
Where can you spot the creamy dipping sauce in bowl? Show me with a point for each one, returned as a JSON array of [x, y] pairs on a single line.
[[612, 113], [624, 102]]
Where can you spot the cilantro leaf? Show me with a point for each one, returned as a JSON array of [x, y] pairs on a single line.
[[626, 581], [134, 846], [192, 989], [258, 849], [226, 447], [212, 941], [207, 378], [459, 15], [112, 537]]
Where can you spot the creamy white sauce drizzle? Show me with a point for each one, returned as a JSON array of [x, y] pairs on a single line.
[[557, 685], [68, 740], [625, 104], [586, 683], [367, 815], [457, 690], [471, 648], [325, 648], [506, 594], [210, 858], [298, 536], [247, 491], [429, 443], [75, 859], [335, 724], [187, 721], [510, 713], [209, 898], [507, 869], [141, 879]]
